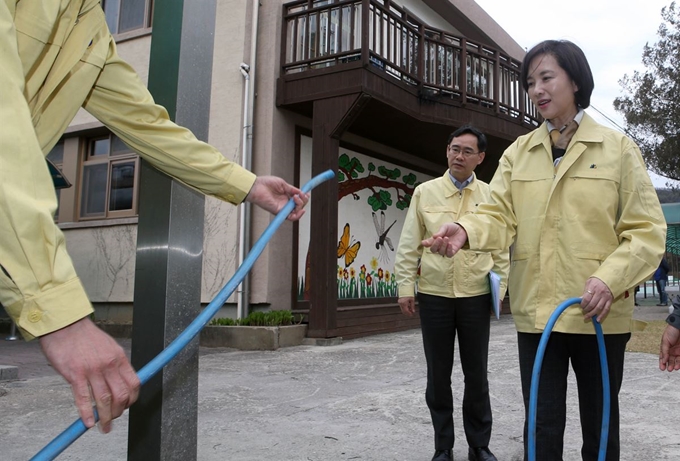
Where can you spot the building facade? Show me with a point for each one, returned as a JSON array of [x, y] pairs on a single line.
[[368, 88]]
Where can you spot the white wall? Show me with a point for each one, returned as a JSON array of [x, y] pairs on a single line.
[[426, 14]]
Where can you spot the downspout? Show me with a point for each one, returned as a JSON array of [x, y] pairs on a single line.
[[248, 72]]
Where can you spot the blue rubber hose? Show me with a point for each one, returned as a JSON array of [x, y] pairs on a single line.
[[536, 376], [78, 428]]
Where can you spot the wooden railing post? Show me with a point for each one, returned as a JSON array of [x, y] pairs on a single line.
[[522, 99], [464, 71], [421, 57], [365, 45], [496, 82]]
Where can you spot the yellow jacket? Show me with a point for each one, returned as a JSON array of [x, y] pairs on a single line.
[[434, 203], [598, 216], [56, 56]]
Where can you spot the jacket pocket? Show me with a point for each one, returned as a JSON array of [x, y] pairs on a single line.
[[435, 216], [597, 192], [530, 193]]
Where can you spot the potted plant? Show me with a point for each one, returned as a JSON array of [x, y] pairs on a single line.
[[258, 331]]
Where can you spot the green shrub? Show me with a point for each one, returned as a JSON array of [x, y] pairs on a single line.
[[259, 319], [225, 322]]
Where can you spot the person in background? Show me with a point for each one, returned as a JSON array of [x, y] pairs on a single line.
[[453, 296], [57, 56], [576, 200], [661, 279]]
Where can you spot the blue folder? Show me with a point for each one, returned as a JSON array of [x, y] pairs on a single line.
[[495, 284]]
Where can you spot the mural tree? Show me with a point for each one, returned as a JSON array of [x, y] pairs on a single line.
[[379, 181]]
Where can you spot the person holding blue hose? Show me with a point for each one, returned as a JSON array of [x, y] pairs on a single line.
[[57, 56], [575, 199]]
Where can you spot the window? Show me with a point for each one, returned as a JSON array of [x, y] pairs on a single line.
[[126, 15], [109, 179], [56, 156]]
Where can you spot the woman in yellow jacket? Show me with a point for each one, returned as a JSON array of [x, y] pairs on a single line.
[[576, 200], [57, 56]]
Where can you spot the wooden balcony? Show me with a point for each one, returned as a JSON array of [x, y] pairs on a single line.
[[325, 43]]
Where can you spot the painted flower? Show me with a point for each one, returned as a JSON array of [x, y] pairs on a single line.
[[387, 276], [374, 263], [352, 272], [363, 268], [339, 272], [369, 279], [380, 273], [345, 274]]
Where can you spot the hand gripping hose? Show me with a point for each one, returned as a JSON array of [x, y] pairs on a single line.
[[536, 375], [78, 428]]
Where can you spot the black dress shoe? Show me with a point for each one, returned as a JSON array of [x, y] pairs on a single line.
[[480, 454], [442, 455]]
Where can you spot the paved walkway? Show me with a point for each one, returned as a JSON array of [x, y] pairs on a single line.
[[362, 400]]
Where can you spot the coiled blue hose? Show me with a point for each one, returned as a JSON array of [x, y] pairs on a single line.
[[78, 428], [536, 375]]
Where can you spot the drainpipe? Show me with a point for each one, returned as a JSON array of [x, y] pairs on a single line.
[[248, 72]]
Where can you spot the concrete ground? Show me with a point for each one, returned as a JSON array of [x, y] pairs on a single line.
[[361, 400]]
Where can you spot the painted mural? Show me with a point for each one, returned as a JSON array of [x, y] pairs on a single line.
[[373, 197]]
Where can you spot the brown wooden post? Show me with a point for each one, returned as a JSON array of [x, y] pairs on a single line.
[[365, 45], [464, 71], [496, 81], [331, 117], [421, 58]]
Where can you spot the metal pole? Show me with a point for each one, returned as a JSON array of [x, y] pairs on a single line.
[[164, 421], [12, 333]]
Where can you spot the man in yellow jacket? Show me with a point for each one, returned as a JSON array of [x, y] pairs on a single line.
[[453, 295], [56, 56]]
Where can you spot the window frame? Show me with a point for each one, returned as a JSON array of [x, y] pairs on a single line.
[[146, 23], [110, 160]]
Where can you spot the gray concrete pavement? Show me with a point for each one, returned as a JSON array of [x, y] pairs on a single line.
[[362, 400]]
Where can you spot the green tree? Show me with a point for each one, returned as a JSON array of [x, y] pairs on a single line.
[[651, 101]]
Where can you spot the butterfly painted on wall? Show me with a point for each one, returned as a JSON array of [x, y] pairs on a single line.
[[347, 247], [382, 236]]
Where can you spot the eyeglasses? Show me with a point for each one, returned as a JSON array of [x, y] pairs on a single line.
[[455, 150]]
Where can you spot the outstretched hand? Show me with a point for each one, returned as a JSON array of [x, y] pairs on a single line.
[[447, 241], [669, 355], [271, 193], [96, 368]]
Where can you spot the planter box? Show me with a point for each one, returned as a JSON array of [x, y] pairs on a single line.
[[253, 338]]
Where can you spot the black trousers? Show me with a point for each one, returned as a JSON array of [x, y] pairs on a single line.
[[551, 409], [441, 319]]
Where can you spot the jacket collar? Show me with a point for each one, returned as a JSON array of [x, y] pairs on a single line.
[[453, 190], [588, 131]]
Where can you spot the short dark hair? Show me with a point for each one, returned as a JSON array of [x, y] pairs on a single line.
[[570, 58], [469, 129]]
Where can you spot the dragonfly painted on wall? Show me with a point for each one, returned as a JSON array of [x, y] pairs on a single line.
[[383, 239]]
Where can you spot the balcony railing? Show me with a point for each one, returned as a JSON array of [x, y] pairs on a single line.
[[325, 33]]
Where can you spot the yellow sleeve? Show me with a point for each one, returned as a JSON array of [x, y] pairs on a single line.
[[641, 227], [122, 103], [38, 284], [409, 250], [493, 225]]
